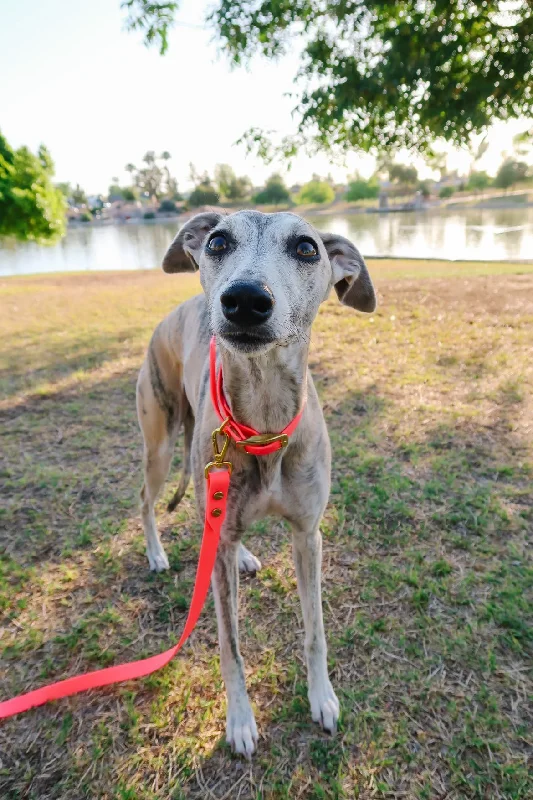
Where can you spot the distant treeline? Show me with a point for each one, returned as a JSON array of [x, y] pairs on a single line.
[[153, 182]]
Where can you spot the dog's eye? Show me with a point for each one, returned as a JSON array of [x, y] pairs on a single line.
[[217, 243], [305, 249]]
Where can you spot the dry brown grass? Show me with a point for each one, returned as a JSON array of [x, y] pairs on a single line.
[[427, 574]]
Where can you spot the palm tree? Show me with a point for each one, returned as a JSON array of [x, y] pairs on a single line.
[[172, 186]]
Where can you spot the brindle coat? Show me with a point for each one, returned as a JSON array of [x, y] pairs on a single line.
[[266, 382]]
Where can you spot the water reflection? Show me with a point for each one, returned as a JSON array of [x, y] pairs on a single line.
[[478, 234]]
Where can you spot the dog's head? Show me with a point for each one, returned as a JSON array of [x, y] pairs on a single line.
[[265, 275]]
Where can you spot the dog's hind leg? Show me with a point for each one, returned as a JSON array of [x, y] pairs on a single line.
[[188, 429], [160, 426]]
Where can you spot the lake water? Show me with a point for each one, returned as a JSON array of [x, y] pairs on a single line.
[[469, 234]]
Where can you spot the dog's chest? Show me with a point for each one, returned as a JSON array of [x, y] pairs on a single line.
[[264, 491]]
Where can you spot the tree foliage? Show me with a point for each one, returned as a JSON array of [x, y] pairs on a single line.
[[377, 74], [359, 189], [155, 179], [152, 18], [402, 173], [229, 185], [31, 207], [315, 191], [274, 193], [446, 192], [478, 180], [511, 172], [204, 194], [78, 196]]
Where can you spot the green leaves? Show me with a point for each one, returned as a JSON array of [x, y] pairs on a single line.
[[375, 74], [153, 19], [31, 207]]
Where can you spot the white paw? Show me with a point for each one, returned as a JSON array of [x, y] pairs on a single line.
[[241, 730], [157, 558], [324, 706], [248, 563]]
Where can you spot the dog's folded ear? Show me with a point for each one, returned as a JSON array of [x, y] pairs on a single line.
[[350, 275], [183, 254]]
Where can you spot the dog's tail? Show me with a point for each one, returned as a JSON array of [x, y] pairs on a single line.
[[188, 428]]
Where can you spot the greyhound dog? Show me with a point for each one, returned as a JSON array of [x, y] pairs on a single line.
[[264, 277]]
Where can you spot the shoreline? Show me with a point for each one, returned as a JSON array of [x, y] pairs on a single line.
[[524, 266]]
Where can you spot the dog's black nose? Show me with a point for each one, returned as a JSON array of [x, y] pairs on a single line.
[[247, 304]]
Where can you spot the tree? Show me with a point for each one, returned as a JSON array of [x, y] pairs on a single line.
[[115, 192], [359, 189], [401, 173], [511, 172], [171, 182], [224, 177], [79, 198], [204, 194], [446, 192], [65, 189], [168, 206], [130, 194], [275, 192], [478, 181], [315, 191], [154, 180], [229, 185], [152, 18], [523, 143], [376, 74], [424, 187], [31, 207]]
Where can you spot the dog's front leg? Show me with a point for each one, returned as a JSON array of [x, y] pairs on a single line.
[[241, 730], [307, 550]]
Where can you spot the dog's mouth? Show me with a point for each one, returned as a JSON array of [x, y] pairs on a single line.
[[247, 341]]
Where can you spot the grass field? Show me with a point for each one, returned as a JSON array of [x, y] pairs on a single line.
[[427, 574]]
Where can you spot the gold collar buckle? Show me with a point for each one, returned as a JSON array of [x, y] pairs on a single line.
[[263, 439]]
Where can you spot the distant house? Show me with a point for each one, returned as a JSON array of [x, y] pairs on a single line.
[[121, 211], [453, 179], [95, 201]]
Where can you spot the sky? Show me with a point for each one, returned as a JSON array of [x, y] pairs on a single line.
[[75, 80]]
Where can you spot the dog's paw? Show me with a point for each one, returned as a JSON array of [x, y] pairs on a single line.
[[324, 706], [157, 558], [248, 563], [241, 730]]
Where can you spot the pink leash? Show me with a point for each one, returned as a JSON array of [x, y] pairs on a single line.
[[217, 483], [217, 474]]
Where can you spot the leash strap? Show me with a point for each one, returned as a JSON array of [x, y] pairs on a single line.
[[215, 512]]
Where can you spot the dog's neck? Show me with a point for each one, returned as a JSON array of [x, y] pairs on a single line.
[[266, 391]]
